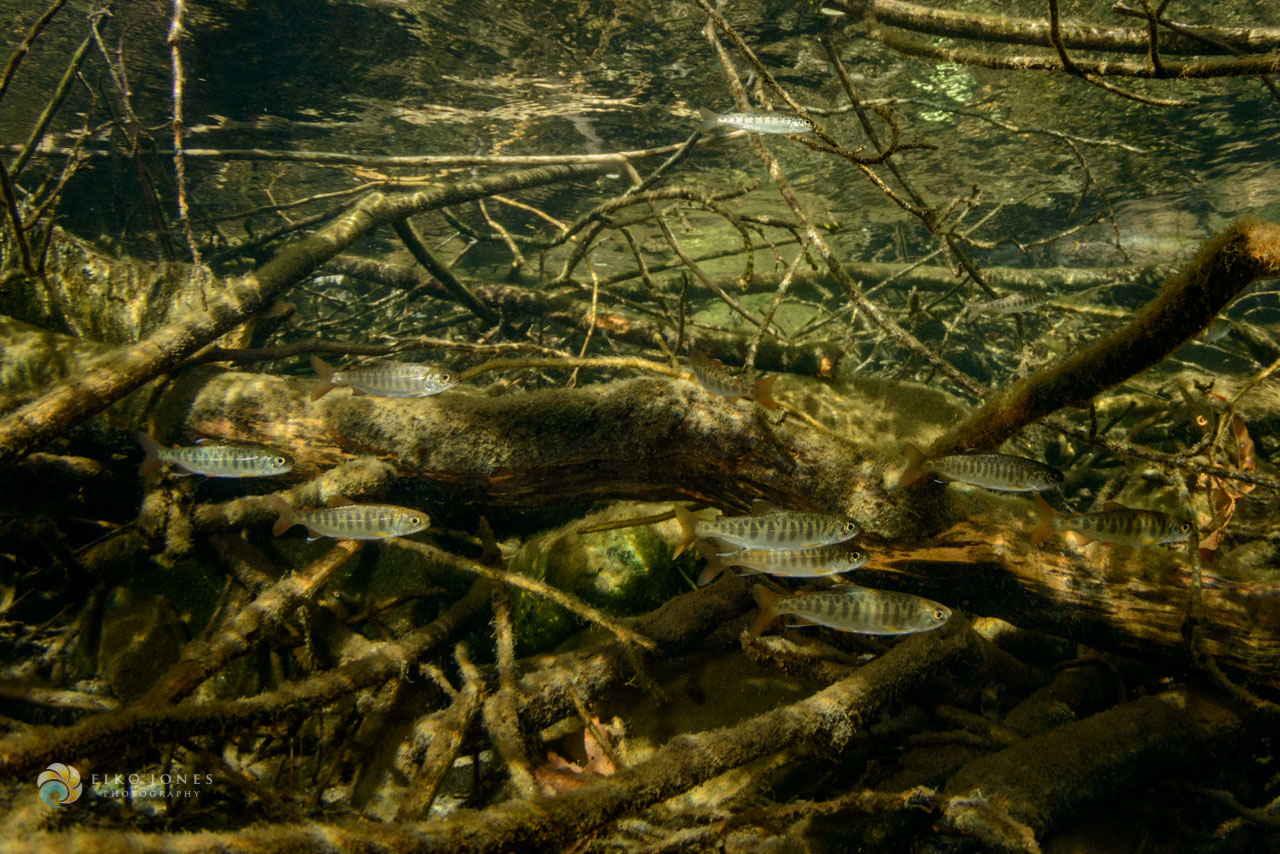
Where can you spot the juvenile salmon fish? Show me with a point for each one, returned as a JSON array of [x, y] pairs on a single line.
[[1011, 304], [715, 379], [347, 521], [1122, 526], [993, 471], [798, 563], [384, 379], [853, 609], [760, 122], [214, 459], [770, 528]]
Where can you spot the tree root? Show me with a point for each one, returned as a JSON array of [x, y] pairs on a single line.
[[133, 727], [826, 721]]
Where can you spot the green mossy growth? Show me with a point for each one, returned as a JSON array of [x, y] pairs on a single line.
[[623, 572]]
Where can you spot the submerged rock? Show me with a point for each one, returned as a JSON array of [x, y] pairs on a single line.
[[624, 571]]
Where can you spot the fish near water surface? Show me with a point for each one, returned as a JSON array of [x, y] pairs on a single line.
[[769, 528], [760, 122], [215, 459], [715, 379], [796, 563], [1002, 472], [848, 608], [383, 379], [344, 520], [1115, 524]]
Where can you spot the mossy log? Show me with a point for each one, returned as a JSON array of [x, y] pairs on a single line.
[[661, 439], [642, 439]]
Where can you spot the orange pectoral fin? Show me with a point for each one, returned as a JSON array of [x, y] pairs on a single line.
[[915, 465], [688, 528], [763, 393]]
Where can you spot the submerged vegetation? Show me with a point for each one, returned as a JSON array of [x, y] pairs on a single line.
[[966, 324]]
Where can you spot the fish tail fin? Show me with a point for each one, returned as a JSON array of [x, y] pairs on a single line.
[[152, 448], [710, 120], [284, 513], [688, 528], [768, 601], [763, 394], [715, 564], [325, 372], [915, 465], [1045, 526]]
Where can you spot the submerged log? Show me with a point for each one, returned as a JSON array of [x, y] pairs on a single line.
[[1127, 600], [661, 439], [642, 439], [1033, 786]]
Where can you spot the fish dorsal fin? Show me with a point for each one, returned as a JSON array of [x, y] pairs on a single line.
[[846, 589], [1111, 506], [759, 507], [337, 501], [201, 441], [702, 356], [973, 451]]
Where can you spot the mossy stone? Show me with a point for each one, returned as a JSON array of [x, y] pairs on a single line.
[[622, 572], [141, 638]]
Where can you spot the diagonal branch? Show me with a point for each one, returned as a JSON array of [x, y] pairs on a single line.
[[122, 371]]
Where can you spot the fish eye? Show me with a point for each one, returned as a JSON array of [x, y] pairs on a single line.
[[938, 614], [280, 462], [850, 527], [1185, 527], [414, 520]]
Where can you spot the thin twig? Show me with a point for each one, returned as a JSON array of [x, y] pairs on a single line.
[[15, 59], [179, 162], [538, 588]]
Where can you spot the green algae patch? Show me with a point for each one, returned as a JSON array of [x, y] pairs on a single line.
[[623, 572]]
